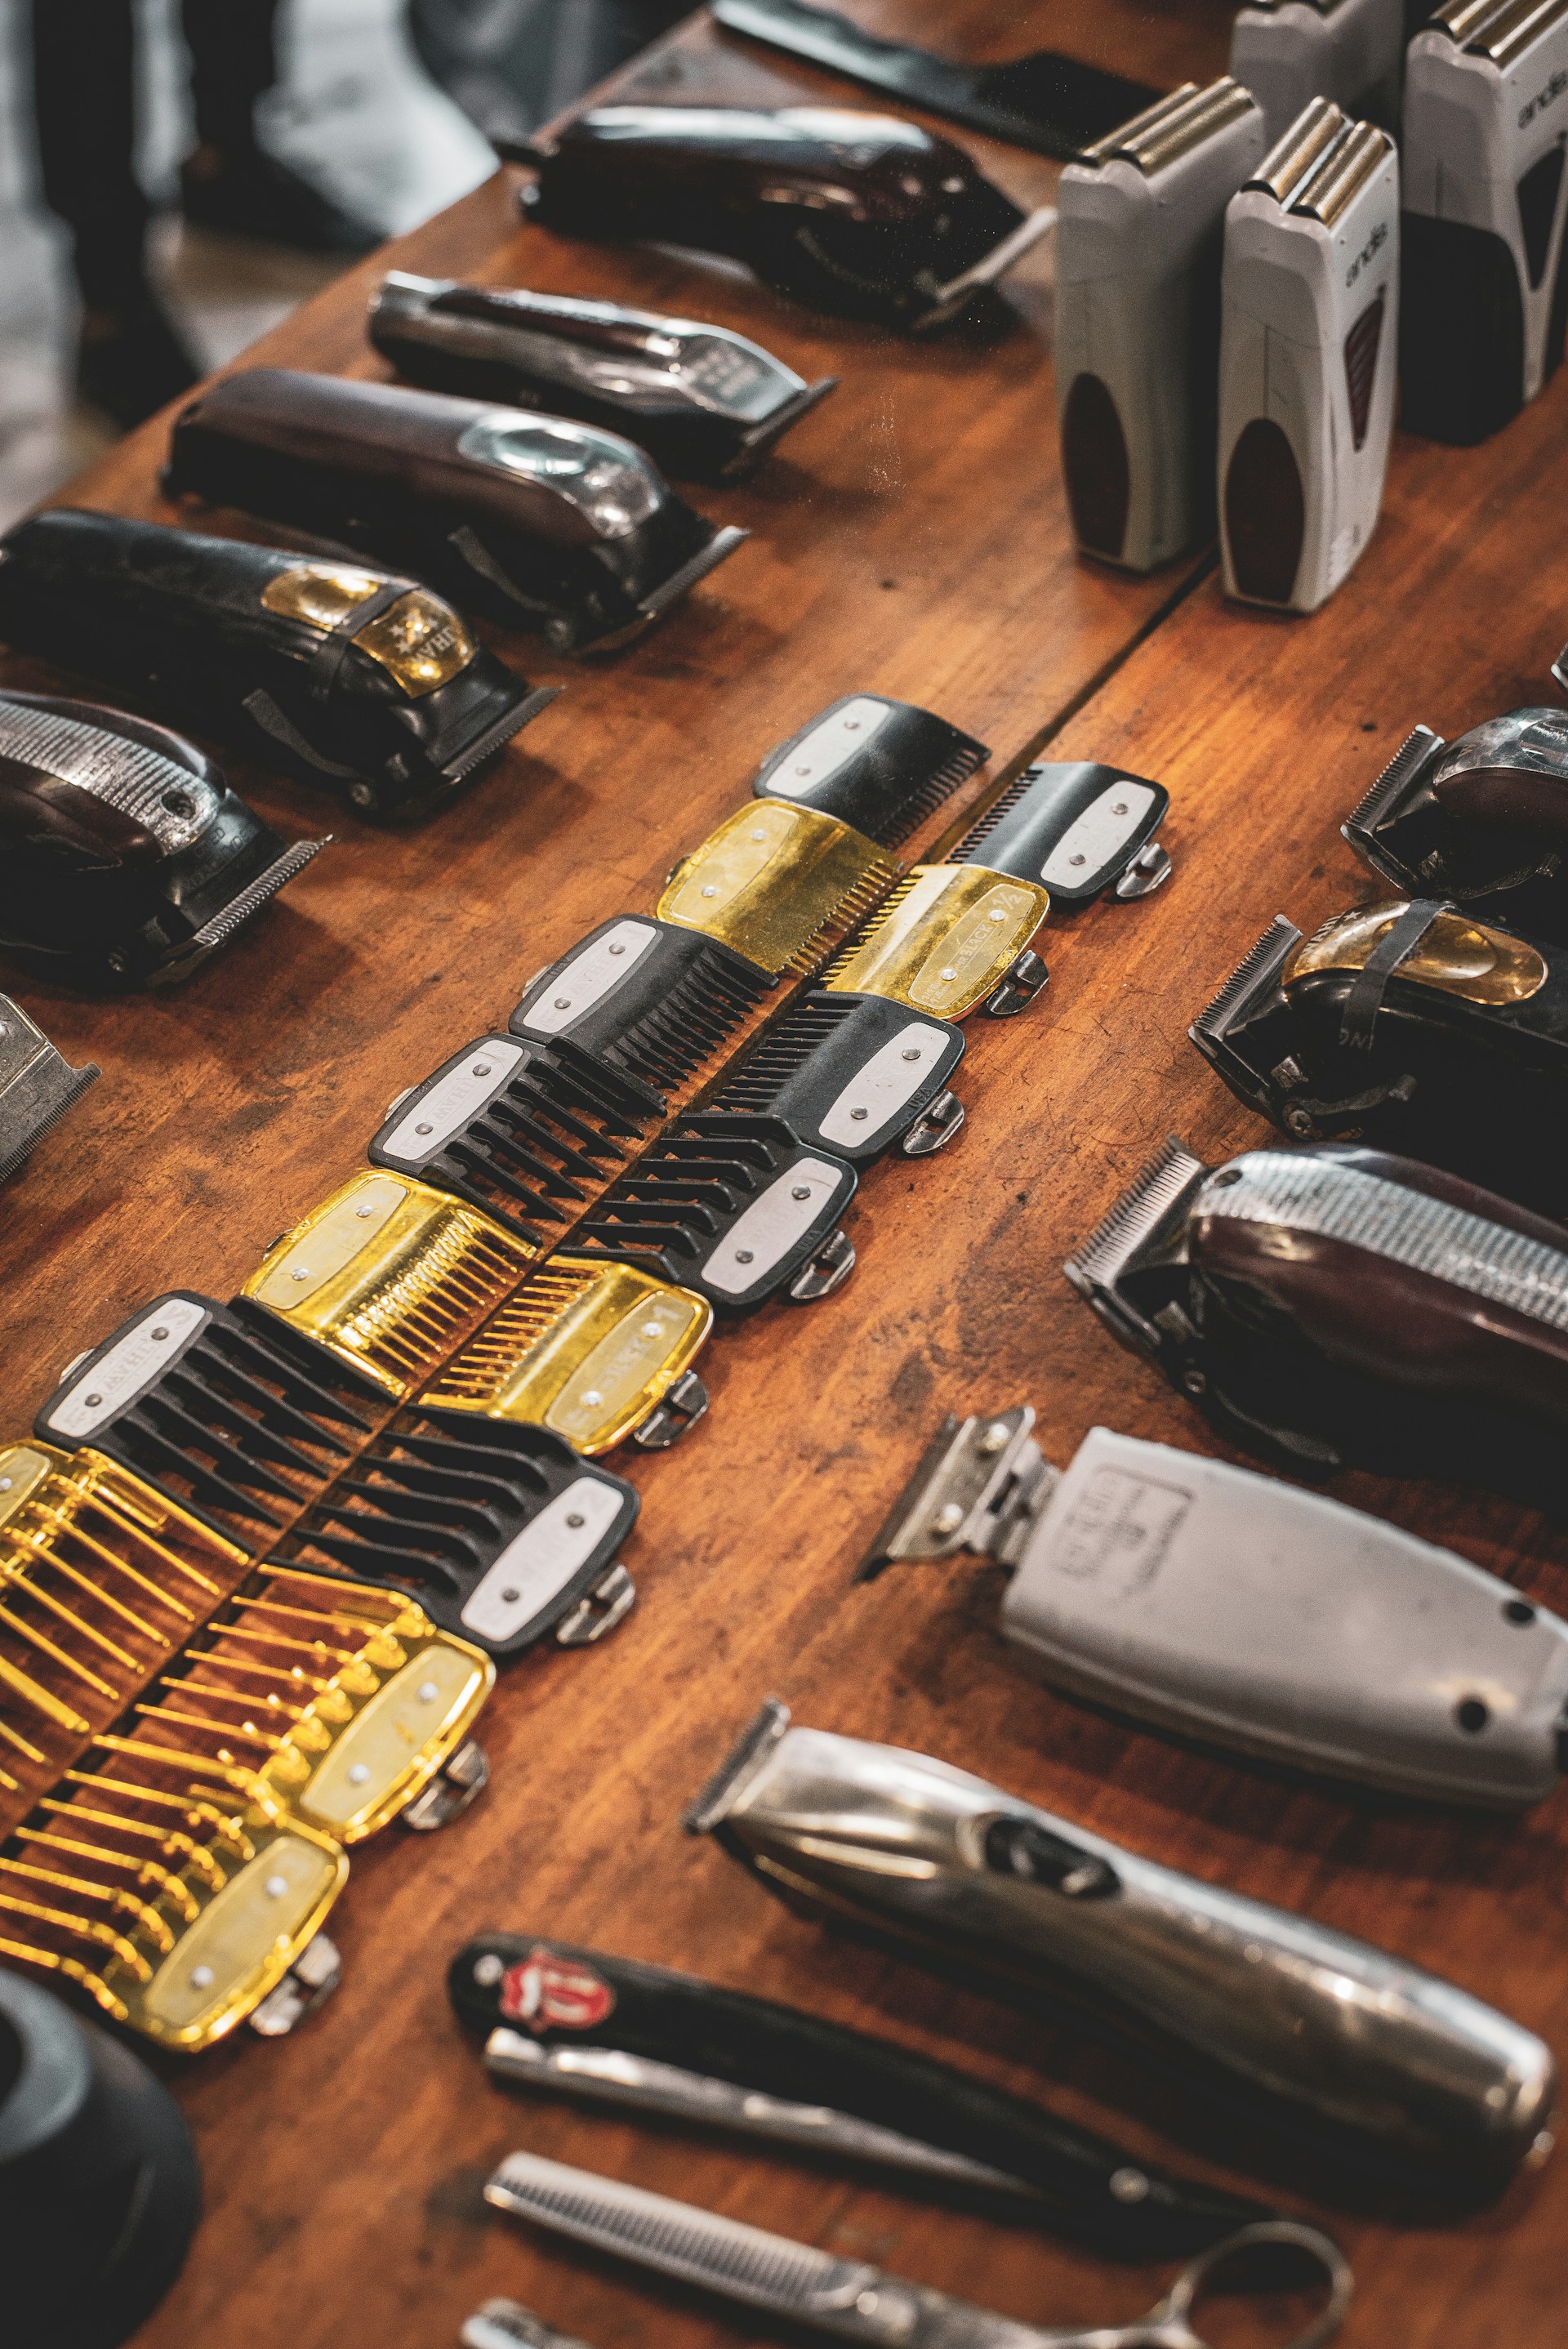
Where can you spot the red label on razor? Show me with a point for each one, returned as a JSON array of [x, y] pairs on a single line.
[[546, 1992]]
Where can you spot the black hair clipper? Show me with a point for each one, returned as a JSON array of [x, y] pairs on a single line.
[[355, 679], [1332, 1306], [1482, 820], [534, 520], [859, 215], [124, 855], [1411, 1024], [707, 404], [37, 1086]]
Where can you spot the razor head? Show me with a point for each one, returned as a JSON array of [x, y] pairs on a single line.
[[385, 1278], [647, 1000], [701, 399], [738, 1208], [125, 858], [221, 1407], [881, 766], [595, 1352], [854, 1074], [1077, 828], [979, 1485], [519, 1132], [778, 884], [1244, 1032], [1132, 1267], [949, 939], [37, 1086], [502, 1531]]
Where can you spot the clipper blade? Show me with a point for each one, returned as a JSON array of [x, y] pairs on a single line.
[[1096, 1266], [37, 1086]]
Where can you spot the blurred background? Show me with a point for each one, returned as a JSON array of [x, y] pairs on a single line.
[[175, 175]]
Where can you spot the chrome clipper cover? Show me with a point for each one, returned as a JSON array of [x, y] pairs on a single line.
[[881, 766], [534, 520], [503, 1532], [37, 1086], [124, 855], [357, 680], [705, 403], [1482, 820], [854, 1074], [1288, 52], [649, 1000], [1238, 1611], [1330, 1305], [1373, 2060], [1413, 1025], [737, 1208], [859, 215], [1078, 828]]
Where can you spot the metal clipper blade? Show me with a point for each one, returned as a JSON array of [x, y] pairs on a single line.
[[779, 885], [37, 1086], [881, 766]]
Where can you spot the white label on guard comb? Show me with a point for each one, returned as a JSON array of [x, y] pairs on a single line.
[[147, 1347], [828, 747], [772, 1226], [583, 981], [429, 1123], [541, 1561], [887, 1083], [1095, 840]]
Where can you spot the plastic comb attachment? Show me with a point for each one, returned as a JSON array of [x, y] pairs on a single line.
[[101, 1580], [850, 1073], [504, 1531], [779, 885], [1075, 827], [218, 1403], [787, 1048], [949, 939], [644, 998], [883, 766], [586, 1349], [735, 1208], [511, 1129], [387, 1276], [175, 1908]]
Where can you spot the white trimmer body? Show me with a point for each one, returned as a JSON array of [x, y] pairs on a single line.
[[1287, 52]]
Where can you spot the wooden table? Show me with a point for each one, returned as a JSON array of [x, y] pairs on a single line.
[[910, 539]]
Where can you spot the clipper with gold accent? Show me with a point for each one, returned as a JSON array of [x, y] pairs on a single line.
[[1307, 349], [353, 678], [881, 766], [1288, 52], [37, 1086], [1413, 1025], [533, 521], [778, 884]]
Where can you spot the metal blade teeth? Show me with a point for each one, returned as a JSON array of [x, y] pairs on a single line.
[[1140, 1211], [1267, 955], [1405, 763]]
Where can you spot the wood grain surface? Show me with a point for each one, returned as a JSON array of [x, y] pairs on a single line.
[[910, 539]]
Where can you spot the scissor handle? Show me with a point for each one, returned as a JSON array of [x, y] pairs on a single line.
[[1168, 2323]]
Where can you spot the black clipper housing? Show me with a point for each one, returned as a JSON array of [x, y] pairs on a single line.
[[707, 404], [1079, 828], [1412, 1026], [1482, 820], [532, 520], [125, 858], [355, 679], [857, 215], [881, 766], [647, 1000]]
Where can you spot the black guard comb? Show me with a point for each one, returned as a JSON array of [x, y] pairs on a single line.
[[881, 766], [854, 1074], [642, 996]]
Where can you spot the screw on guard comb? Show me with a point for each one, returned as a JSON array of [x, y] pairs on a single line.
[[779, 885]]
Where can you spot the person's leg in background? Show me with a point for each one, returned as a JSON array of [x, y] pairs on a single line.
[[131, 360], [229, 182]]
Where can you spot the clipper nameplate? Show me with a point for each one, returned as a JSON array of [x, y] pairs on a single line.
[[37, 1086], [654, 1002], [881, 766], [779, 885]]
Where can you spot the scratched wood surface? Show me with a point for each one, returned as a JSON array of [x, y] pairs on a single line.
[[911, 539]]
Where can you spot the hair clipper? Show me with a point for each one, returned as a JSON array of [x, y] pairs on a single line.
[[1482, 821]]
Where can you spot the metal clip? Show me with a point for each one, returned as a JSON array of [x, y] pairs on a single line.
[[827, 1270], [679, 1411], [935, 1128], [981, 1484], [313, 1975], [1149, 869], [609, 1602], [464, 1775], [1026, 975]]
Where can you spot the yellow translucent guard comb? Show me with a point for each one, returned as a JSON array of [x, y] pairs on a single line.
[[178, 1913], [586, 1349], [389, 1276], [778, 883], [337, 1702], [102, 1579], [943, 941]]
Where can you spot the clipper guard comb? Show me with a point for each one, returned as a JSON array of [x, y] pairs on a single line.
[[854, 1074], [881, 766], [653, 1002]]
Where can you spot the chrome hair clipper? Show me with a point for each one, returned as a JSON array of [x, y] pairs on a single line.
[[1375, 2061], [355, 679], [707, 404], [1331, 1306], [536, 522], [1410, 1024], [1485, 291], [1288, 52], [1307, 344], [1482, 821], [881, 766], [37, 1086], [859, 215], [1242, 1613], [581, 2024], [1139, 243]]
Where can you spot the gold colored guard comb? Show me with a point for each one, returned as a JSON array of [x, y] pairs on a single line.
[[586, 1349], [334, 1701], [389, 1276], [778, 883], [943, 941]]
